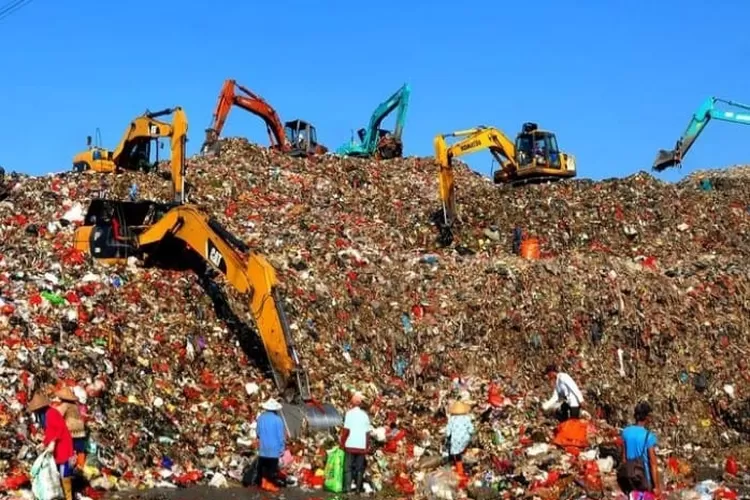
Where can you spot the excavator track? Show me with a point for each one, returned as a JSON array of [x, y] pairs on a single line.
[[548, 179]]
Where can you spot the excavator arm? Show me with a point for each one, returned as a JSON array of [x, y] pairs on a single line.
[[253, 277], [177, 134], [234, 94], [371, 136], [475, 139], [149, 225], [705, 113]]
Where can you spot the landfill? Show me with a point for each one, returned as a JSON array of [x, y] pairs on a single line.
[[641, 292]]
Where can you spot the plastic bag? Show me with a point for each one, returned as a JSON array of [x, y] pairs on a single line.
[[45, 479], [334, 481], [441, 484], [250, 473]]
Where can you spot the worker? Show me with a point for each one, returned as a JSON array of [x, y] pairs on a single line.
[[69, 408], [271, 445], [458, 434], [57, 439], [566, 396], [639, 445], [355, 441]]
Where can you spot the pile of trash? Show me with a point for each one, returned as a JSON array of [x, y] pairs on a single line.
[[640, 292]]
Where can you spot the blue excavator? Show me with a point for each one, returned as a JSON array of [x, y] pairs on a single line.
[[380, 143], [707, 111]]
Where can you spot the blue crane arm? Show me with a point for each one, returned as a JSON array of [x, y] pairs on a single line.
[[705, 113], [371, 136]]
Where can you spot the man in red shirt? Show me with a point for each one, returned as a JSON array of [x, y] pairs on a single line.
[[57, 439]]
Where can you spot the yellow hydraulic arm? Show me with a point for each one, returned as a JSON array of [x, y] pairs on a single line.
[[138, 136], [150, 226], [252, 276], [476, 139]]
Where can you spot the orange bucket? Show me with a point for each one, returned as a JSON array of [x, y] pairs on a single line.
[[530, 249]]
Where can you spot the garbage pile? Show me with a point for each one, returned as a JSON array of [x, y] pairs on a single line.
[[640, 292]]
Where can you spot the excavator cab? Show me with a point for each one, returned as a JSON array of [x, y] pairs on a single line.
[[302, 138], [110, 227], [538, 156], [211, 146]]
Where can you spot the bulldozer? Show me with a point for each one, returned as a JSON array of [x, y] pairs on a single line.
[[172, 234]]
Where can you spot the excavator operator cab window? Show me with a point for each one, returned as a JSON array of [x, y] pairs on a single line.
[[298, 134], [552, 156], [291, 134], [525, 149], [540, 149], [312, 135], [139, 157]]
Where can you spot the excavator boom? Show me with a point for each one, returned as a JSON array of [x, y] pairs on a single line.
[[473, 140], [149, 225], [234, 94], [705, 113], [373, 137]]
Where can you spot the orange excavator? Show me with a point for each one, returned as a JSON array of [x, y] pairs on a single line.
[[297, 138]]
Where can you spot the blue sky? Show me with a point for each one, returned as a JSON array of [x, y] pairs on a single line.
[[616, 80]]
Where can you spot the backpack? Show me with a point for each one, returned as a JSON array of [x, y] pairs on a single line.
[[631, 474]]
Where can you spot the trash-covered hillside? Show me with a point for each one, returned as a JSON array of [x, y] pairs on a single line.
[[641, 292]]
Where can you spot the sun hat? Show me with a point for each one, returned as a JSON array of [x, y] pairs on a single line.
[[66, 395], [38, 402], [459, 408], [271, 405]]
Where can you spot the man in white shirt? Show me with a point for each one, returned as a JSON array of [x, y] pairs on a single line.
[[355, 441], [566, 396]]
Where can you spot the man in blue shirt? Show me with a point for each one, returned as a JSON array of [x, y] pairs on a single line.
[[640, 442], [271, 444]]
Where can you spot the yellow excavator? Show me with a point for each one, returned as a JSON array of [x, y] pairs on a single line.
[[134, 150], [533, 158], [177, 235]]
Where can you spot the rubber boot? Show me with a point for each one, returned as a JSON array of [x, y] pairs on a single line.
[[265, 485], [67, 484], [80, 460], [462, 479]]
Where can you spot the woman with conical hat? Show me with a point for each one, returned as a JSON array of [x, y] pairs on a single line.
[[69, 408], [458, 435], [57, 439]]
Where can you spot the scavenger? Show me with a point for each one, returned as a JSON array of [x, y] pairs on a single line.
[[639, 473], [458, 435], [355, 441], [271, 444], [57, 439], [566, 396], [69, 408]]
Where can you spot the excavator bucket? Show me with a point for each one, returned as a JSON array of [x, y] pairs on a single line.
[[665, 159], [390, 147], [309, 418]]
